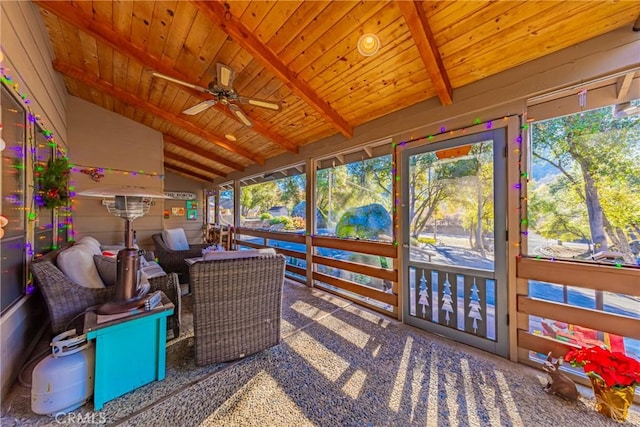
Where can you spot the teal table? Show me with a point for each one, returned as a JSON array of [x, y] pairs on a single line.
[[130, 351]]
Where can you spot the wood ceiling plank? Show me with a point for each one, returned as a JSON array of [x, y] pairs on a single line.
[[388, 74], [103, 12], [481, 32], [192, 148], [120, 65], [206, 61], [72, 38], [285, 34], [493, 15], [587, 21], [192, 163], [187, 172], [141, 22], [399, 41], [441, 14], [423, 37], [193, 44], [314, 31], [122, 16], [340, 37], [161, 22], [90, 53], [54, 28], [178, 32], [130, 99], [105, 61], [231, 25], [120, 79]]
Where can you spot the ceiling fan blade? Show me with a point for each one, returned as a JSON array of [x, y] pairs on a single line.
[[225, 76], [180, 82], [200, 107], [260, 103], [237, 111]]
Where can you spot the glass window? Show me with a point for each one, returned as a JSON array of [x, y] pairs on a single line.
[[583, 199], [225, 207], [12, 262], [275, 205], [354, 200], [44, 217]]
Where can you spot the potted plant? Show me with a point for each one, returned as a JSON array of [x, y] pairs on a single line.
[[613, 376]]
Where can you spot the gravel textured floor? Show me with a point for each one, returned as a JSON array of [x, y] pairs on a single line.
[[338, 365]]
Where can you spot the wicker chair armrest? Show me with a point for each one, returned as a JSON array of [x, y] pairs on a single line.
[[66, 299], [170, 285]]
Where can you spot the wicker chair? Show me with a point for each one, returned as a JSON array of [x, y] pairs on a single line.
[[173, 261], [237, 304], [66, 300]]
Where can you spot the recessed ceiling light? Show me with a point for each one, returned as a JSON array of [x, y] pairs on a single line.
[[230, 137], [368, 44]]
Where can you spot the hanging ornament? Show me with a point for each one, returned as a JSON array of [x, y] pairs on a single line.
[[582, 101], [94, 173]]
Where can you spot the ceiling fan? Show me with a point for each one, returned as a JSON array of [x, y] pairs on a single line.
[[222, 91]]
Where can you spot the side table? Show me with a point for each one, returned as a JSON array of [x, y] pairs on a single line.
[[130, 351]]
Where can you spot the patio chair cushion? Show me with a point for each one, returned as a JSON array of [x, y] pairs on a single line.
[[237, 254], [107, 268], [175, 239], [77, 264], [91, 241]]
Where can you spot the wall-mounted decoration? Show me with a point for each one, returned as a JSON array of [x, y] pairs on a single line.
[[165, 214], [180, 195], [192, 204], [177, 211], [192, 214]]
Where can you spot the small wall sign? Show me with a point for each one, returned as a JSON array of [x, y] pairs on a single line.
[[180, 195]]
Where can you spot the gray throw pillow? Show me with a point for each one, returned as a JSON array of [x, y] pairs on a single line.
[[107, 268]]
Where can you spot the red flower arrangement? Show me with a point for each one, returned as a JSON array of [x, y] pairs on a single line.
[[614, 368]]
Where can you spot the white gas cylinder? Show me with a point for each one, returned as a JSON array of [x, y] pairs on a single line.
[[63, 381]]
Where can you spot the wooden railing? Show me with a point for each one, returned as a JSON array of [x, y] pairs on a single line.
[[275, 235], [369, 296], [596, 277]]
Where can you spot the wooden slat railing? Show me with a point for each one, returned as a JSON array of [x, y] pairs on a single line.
[[596, 277]]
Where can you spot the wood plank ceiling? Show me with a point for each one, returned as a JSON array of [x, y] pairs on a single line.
[[300, 53]]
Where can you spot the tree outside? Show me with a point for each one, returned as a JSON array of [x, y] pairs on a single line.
[[583, 195]]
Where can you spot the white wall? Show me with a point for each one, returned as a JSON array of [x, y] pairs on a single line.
[[99, 138], [27, 59]]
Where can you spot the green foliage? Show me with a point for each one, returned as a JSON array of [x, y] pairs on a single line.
[[283, 219], [587, 178], [298, 223], [53, 183], [365, 222], [266, 215], [426, 240]]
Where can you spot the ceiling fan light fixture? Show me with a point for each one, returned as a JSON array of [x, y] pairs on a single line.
[[368, 44]]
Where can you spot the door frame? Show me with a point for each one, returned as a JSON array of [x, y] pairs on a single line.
[[499, 137]]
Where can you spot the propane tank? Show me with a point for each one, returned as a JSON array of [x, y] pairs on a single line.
[[63, 381]]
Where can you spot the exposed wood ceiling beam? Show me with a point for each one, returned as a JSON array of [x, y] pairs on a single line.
[[192, 163], [128, 98], [188, 172], [623, 85], [423, 37], [168, 139], [75, 17], [217, 12]]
